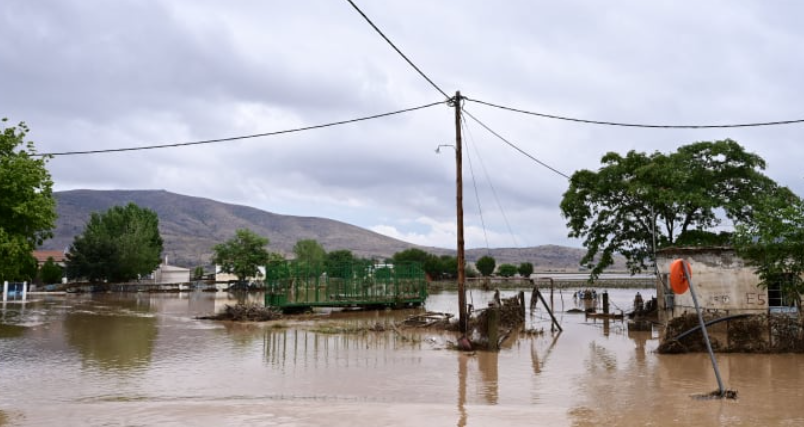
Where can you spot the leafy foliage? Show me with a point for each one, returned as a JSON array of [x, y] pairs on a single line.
[[506, 270], [339, 263], [120, 244], [486, 265], [774, 242], [443, 267], [51, 272], [242, 255], [617, 208], [310, 252], [525, 269], [198, 273], [27, 206]]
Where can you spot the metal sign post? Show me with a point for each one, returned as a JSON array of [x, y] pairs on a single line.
[[722, 391]]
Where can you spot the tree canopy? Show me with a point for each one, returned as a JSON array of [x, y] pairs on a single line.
[[507, 270], [339, 263], [486, 265], [443, 267], [242, 255], [51, 272], [120, 244], [27, 206], [525, 269], [310, 253], [774, 243], [616, 209]]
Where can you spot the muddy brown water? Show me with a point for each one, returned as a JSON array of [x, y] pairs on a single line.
[[143, 359]]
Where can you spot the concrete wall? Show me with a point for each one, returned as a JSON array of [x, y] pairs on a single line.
[[721, 279]]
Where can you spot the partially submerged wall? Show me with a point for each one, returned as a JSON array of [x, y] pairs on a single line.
[[758, 333], [722, 282]]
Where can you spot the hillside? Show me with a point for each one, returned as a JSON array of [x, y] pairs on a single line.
[[190, 226]]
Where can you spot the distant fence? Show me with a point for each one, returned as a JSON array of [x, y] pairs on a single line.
[[640, 282]]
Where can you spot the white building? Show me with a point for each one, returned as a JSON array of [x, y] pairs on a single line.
[[168, 274]]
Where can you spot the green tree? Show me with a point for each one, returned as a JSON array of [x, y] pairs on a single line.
[[27, 206], [310, 253], [242, 255], [774, 243], [486, 265], [339, 263], [617, 208], [525, 269], [507, 270], [431, 264], [448, 267], [120, 244], [51, 272], [198, 273], [410, 255]]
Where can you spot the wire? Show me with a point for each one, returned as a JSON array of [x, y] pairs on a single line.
[[491, 185], [235, 138], [477, 196], [421, 73], [514, 146], [638, 125]]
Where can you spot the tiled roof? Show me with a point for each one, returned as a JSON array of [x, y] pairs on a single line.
[[42, 256]]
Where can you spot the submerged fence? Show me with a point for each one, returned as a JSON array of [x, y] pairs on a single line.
[[294, 284]]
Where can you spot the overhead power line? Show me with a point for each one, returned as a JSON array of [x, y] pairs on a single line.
[[421, 73], [637, 125], [236, 138], [514, 146]]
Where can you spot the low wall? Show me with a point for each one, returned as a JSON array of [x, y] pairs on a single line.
[[757, 333]]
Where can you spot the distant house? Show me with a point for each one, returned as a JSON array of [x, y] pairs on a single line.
[[169, 274], [722, 282], [59, 257], [222, 277]]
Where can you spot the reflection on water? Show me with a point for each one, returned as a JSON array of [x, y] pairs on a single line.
[[146, 360], [120, 336]]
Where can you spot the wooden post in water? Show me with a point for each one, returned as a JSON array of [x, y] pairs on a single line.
[[521, 301], [605, 302], [5, 291], [493, 326], [463, 322]]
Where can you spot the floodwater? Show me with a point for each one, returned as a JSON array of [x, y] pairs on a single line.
[[143, 360]]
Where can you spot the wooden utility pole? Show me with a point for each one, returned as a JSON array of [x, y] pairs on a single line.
[[463, 322]]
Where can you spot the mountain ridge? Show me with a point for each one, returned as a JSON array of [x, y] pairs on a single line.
[[191, 225]]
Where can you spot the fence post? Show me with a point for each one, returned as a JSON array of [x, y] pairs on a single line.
[[24, 290], [5, 291], [493, 327]]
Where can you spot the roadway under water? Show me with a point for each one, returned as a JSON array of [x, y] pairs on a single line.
[[144, 359]]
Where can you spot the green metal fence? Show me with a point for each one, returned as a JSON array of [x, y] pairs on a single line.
[[294, 284]]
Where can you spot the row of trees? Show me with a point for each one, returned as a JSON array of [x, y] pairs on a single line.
[[446, 266]]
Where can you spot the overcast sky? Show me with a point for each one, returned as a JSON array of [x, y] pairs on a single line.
[[96, 74]]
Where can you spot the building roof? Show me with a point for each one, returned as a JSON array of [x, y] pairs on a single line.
[[42, 256]]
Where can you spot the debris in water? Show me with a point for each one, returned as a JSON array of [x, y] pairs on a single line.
[[244, 312], [727, 394]]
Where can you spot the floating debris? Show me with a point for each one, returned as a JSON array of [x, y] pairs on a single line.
[[727, 394], [245, 313], [429, 319]]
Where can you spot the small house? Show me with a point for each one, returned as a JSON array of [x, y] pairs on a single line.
[[170, 274], [722, 281]]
